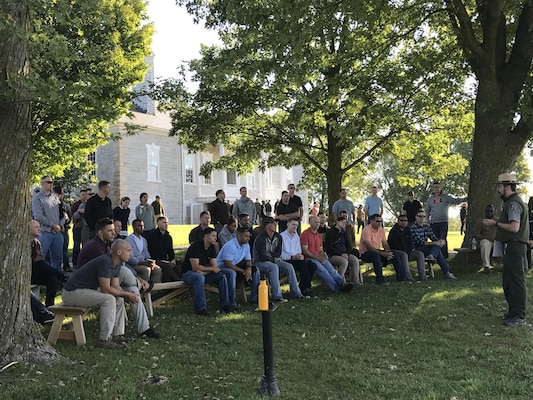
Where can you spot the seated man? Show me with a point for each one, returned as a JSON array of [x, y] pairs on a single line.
[[400, 239], [485, 236], [312, 250], [267, 259], [96, 285], [98, 246], [291, 252], [228, 232], [235, 260], [140, 260], [420, 233], [372, 239], [161, 248], [197, 233], [43, 273], [40, 313], [338, 249], [200, 267]]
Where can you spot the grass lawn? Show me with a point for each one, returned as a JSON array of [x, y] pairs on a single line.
[[433, 340]]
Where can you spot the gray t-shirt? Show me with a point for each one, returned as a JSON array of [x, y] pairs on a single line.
[[87, 276]]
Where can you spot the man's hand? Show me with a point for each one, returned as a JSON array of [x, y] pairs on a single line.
[[248, 273], [344, 255], [132, 297]]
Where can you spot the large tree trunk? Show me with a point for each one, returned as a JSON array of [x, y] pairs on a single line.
[[502, 66], [19, 337]]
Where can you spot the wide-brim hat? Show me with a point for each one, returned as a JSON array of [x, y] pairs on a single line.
[[507, 178]]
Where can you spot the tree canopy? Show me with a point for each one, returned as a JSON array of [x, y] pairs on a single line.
[[85, 58], [328, 85]]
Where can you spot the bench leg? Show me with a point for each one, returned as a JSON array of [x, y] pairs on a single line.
[[56, 328], [79, 332], [148, 304]]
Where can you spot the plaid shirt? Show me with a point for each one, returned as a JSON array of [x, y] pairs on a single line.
[[420, 234]]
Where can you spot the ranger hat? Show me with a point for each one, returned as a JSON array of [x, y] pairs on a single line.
[[507, 178]]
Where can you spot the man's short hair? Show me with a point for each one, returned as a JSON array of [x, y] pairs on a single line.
[[243, 215], [157, 196], [343, 212], [283, 192], [241, 230], [102, 222], [204, 213], [268, 220], [292, 220], [341, 219], [141, 195], [103, 184], [118, 244], [342, 190], [321, 213], [57, 189], [135, 221], [160, 218], [242, 187], [218, 192], [82, 191], [374, 216], [232, 220], [208, 231]]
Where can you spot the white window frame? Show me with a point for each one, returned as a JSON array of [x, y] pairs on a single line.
[[153, 163]]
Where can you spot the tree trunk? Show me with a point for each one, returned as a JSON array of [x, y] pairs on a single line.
[[334, 172], [19, 337]]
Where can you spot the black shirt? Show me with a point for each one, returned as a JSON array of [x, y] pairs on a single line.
[[97, 208], [285, 209], [160, 245], [198, 250], [219, 212], [400, 240]]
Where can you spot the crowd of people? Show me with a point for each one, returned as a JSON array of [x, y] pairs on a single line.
[[110, 267]]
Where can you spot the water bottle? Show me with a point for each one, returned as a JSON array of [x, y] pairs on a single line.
[[474, 244], [263, 294]]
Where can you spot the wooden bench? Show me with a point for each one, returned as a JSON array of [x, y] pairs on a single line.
[[429, 265], [76, 333], [175, 289]]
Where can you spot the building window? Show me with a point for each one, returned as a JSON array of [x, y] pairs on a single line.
[[189, 168], [91, 158], [207, 180], [231, 177], [152, 161], [250, 181]]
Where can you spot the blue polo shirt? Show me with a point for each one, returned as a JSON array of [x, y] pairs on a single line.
[[233, 251]]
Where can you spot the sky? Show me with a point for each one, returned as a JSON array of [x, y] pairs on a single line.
[[176, 37]]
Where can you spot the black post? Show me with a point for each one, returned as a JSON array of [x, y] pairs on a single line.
[[268, 383]]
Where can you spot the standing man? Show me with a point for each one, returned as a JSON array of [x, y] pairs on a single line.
[[411, 207], [258, 207], [159, 208], [485, 235], [513, 231], [47, 210], [297, 201], [373, 204], [342, 204], [145, 212], [244, 205], [77, 219], [360, 214], [437, 213], [287, 211], [98, 206], [219, 211]]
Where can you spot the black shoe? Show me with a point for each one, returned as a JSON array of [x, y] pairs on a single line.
[[225, 310], [307, 292], [202, 313], [236, 309], [150, 333], [346, 287], [48, 319], [515, 321]]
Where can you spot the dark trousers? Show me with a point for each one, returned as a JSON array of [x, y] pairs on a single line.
[[76, 247], [66, 260], [440, 229], [513, 278], [360, 224], [44, 274], [378, 261], [306, 270]]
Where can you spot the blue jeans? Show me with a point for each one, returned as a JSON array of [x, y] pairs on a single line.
[[272, 269], [440, 229], [436, 251], [231, 279], [328, 275], [377, 261], [53, 243], [288, 270], [198, 280]]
